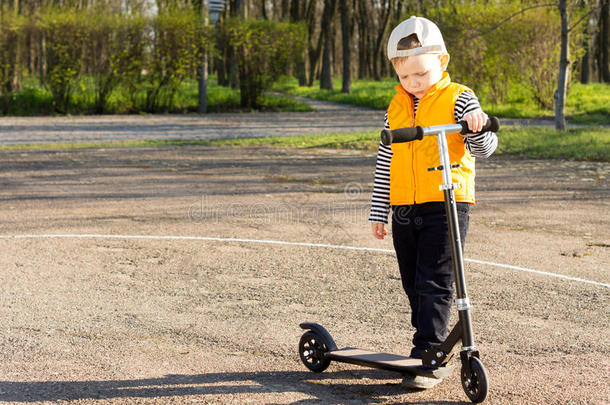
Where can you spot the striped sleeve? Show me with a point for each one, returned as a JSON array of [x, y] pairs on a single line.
[[380, 202], [480, 145]]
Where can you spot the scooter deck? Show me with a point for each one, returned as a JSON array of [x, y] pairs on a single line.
[[387, 361]]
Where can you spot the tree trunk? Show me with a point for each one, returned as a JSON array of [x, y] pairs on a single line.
[[377, 51], [220, 64], [347, 47], [202, 106], [362, 37], [313, 51], [604, 22], [233, 71], [296, 16], [326, 80], [314, 58], [16, 82], [240, 11], [264, 10], [285, 8], [564, 66], [585, 65]]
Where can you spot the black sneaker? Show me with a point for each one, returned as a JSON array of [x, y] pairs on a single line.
[[417, 353]]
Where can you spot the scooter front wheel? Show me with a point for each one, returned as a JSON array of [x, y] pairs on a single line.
[[312, 350], [474, 381]]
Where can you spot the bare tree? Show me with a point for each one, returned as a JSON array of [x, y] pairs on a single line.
[[346, 39], [564, 66], [314, 50], [589, 48], [202, 106], [385, 14], [363, 36], [604, 22], [302, 11], [326, 80]]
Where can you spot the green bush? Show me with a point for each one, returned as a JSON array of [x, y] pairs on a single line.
[[11, 28], [524, 51], [65, 36], [149, 54], [115, 54], [265, 50], [178, 42]]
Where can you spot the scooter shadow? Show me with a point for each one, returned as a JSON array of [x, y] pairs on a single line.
[[320, 387]]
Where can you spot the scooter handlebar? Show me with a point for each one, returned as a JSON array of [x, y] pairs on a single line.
[[492, 124], [409, 134]]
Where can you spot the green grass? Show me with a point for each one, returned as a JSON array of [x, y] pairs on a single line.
[[356, 141], [590, 143], [589, 103], [368, 140], [366, 93], [101, 144], [35, 99], [586, 104]]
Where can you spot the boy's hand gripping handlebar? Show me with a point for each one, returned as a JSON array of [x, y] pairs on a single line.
[[409, 134]]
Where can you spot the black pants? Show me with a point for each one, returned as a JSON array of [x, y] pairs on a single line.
[[423, 250]]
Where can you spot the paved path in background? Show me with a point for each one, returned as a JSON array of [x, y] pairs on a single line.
[[328, 118]]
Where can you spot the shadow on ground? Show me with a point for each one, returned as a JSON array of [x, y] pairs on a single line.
[[323, 387]]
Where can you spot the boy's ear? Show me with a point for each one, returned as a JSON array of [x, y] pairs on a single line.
[[444, 61]]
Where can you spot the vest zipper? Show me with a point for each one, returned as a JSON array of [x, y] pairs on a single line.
[[413, 163]]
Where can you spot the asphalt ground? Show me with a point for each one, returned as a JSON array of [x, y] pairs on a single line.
[[140, 320]]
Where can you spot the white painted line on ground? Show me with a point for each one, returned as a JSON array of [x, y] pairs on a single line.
[[279, 242]]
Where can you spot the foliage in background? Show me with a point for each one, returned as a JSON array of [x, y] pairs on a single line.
[[265, 50], [366, 92], [34, 99], [123, 45], [65, 35], [115, 54], [587, 104], [131, 50], [178, 42], [523, 51], [11, 28]]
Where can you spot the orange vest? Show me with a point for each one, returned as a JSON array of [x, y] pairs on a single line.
[[410, 180]]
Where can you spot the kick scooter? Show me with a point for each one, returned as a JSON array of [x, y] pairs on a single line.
[[316, 346]]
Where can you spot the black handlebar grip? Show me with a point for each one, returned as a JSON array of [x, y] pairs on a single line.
[[399, 135], [492, 124]]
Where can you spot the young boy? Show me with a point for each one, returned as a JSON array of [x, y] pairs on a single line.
[[425, 97]]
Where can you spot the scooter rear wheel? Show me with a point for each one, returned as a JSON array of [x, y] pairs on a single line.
[[312, 349], [475, 382]]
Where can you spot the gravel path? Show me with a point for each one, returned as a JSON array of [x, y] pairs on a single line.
[[115, 321]]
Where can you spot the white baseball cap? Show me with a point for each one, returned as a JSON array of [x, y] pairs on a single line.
[[427, 32]]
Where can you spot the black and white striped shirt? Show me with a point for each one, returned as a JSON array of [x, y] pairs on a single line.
[[481, 145]]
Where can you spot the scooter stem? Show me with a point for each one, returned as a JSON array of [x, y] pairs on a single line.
[[462, 301]]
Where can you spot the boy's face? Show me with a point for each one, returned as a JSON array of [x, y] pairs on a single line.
[[420, 72]]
